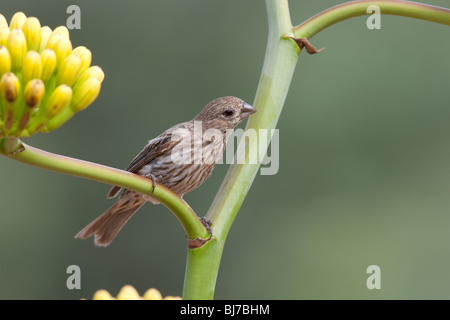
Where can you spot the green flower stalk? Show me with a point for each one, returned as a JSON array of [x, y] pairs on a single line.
[[43, 80]]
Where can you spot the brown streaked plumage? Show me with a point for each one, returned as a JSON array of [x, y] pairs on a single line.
[[168, 160]]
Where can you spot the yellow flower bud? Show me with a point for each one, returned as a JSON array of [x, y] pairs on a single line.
[[128, 293], [9, 87], [5, 60], [17, 46], [69, 70], [40, 73], [85, 94], [32, 67], [85, 55], [58, 34], [62, 31], [152, 294], [102, 295], [34, 92], [4, 35], [53, 40], [3, 21], [59, 99], [94, 72], [48, 59], [62, 49], [17, 20], [172, 298], [32, 31], [46, 32]]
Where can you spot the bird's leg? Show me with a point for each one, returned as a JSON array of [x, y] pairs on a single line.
[[152, 177], [198, 242]]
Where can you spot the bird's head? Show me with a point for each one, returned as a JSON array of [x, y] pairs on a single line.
[[225, 113]]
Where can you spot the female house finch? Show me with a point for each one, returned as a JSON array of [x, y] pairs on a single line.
[[181, 158]]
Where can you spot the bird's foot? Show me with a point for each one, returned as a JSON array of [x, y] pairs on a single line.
[[207, 223], [152, 177]]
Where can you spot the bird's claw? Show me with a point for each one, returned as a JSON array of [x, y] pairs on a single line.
[[207, 223], [152, 177]]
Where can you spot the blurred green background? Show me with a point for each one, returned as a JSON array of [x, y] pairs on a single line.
[[364, 157]]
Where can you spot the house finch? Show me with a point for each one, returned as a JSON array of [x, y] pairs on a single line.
[[181, 158]]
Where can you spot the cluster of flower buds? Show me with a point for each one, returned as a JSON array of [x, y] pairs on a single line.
[[43, 80], [130, 293]]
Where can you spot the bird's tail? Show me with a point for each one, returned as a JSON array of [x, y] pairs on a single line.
[[106, 226]]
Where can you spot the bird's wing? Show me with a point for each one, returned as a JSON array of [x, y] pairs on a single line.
[[153, 149]]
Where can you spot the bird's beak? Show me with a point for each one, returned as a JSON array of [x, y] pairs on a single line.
[[247, 110]]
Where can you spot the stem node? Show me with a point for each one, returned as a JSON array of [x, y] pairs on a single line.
[[197, 242], [304, 43]]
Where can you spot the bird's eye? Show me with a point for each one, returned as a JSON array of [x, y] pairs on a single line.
[[228, 113]]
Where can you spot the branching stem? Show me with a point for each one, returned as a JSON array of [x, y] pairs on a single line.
[[279, 65], [88, 170]]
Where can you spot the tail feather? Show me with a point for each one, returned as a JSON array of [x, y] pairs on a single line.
[[106, 226], [113, 192]]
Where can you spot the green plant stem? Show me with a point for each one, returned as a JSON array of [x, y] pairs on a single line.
[[279, 65], [359, 8], [88, 170], [280, 60], [201, 265]]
